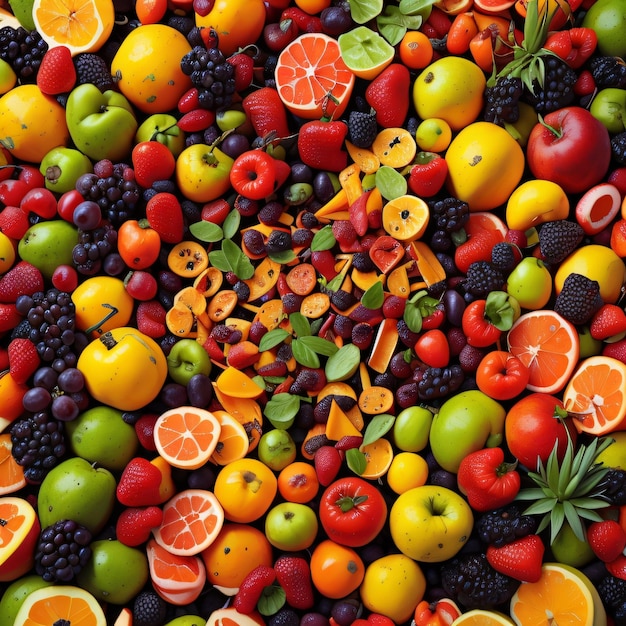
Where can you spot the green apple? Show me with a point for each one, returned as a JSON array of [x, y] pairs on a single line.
[[530, 283], [100, 435], [76, 490], [276, 449], [291, 526], [430, 523], [62, 166], [186, 359], [187, 620], [608, 20], [15, 594], [466, 422], [411, 428], [101, 125], [162, 127], [46, 245], [203, 172], [569, 549], [115, 573], [588, 345], [609, 106]]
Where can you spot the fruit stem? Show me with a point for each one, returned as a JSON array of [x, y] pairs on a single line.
[[98, 325], [347, 503], [557, 133]]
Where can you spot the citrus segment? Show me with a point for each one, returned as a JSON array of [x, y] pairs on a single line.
[[312, 79], [548, 345], [11, 474], [596, 393], [187, 436], [233, 441], [192, 519], [19, 532], [405, 218], [238, 384], [63, 604], [378, 457], [365, 52], [81, 25]]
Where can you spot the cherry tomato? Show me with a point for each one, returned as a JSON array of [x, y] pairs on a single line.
[[501, 375], [67, 203], [432, 348], [138, 244], [480, 332], [352, 511]]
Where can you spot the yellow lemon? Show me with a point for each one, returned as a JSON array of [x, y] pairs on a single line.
[[485, 165], [407, 470], [7, 253], [596, 262], [535, 202], [615, 454]]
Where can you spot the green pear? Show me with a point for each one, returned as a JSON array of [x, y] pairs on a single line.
[[101, 436], [15, 594], [467, 422], [46, 245], [76, 490], [62, 167], [187, 620]]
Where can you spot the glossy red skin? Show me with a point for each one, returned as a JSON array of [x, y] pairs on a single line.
[[501, 375], [360, 524], [578, 158], [531, 430]]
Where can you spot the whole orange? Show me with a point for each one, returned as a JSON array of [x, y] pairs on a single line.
[[147, 66]]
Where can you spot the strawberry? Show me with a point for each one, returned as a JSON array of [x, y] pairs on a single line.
[[152, 161], [9, 317], [13, 222], [196, 120], [151, 318], [327, 462], [165, 215], [293, 574], [251, 588], [476, 248], [428, 174], [57, 73], [520, 559], [266, 112], [321, 145], [139, 484], [389, 95], [4, 359], [23, 359], [607, 539], [617, 350], [144, 427], [22, 279], [135, 523], [608, 321], [244, 68]]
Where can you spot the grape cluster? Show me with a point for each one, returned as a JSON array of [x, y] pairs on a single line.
[[23, 51], [93, 248]]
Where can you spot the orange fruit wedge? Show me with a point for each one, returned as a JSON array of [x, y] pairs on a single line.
[[378, 456], [548, 345], [233, 442], [81, 25], [237, 384], [12, 477], [19, 533], [596, 393], [480, 617], [192, 519], [312, 78]]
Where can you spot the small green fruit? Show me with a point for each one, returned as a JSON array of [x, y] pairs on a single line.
[[187, 620], [46, 245], [411, 428], [570, 550], [608, 20]]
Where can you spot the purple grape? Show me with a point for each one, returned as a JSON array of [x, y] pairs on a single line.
[[87, 215], [323, 187], [235, 144], [200, 391], [113, 264], [314, 619], [173, 395], [64, 408], [36, 399], [454, 305], [336, 21], [344, 612], [71, 380], [45, 377]]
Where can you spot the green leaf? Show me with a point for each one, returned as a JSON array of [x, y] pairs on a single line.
[[532, 493], [556, 517], [272, 599], [541, 506], [417, 7], [393, 24], [343, 363], [272, 338], [374, 297], [412, 317], [356, 460], [363, 11], [390, 182], [218, 259], [231, 259], [319, 345], [335, 283], [323, 239], [500, 310], [573, 520], [206, 231], [300, 324], [281, 410], [231, 224], [304, 355], [283, 257], [378, 426]]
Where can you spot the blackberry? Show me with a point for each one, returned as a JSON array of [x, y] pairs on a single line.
[[62, 551], [470, 581], [608, 71], [149, 609], [501, 100], [614, 484], [558, 238], [440, 382], [618, 148], [503, 525], [38, 444], [212, 75], [363, 262], [612, 591], [504, 257], [284, 617], [579, 299], [23, 51], [342, 299], [362, 128], [558, 87], [182, 23], [451, 214], [92, 68], [482, 277], [278, 241], [92, 247]]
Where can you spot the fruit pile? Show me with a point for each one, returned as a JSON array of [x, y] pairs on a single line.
[[312, 312]]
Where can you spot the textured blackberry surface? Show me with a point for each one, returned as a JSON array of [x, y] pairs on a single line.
[[612, 591], [618, 148], [440, 382], [23, 51], [501, 100], [503, 257], [558, 87], [557, 239], [608, 71], [579, 299], [149, 609], [614, 484], [92, 68], [451, 214], [504, 525], [362, 128], [482, 277]]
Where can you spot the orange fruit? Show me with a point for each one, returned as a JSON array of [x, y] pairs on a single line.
[[406, 217], [415, 49], [548, 345], [336, 570], [378, 456], [19, 533], [192, 519], [233, 442], [311, 77], [394, 147], [596, 392], [559, 593], [298, 482], [236, 551], [480, 617], [147, 65], [11, 474], [187, 436], [12, 394], [62, 604], [238, 384], [81, 25]]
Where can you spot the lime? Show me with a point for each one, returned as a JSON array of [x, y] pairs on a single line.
[[433, 134], [608, 20], [365, 52]]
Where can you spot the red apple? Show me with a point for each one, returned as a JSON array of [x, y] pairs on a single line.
[[571, 148]]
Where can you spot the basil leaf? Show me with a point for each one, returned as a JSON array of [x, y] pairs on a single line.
[[283, 257], [272, 338], [378, 426], [412, 317], [206, 231], [300, 324], [393, 24], [304, 355], [335, 283], [319, 345], [240, 263], [356, 460], [218, 259], [281, 410], [323, 239], [374, 297], [231, 224], [363, 11], [390, 182]]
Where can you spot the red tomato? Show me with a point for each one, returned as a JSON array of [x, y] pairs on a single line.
[[433, 348], [501, 375], [480, 332], [352, 511]]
